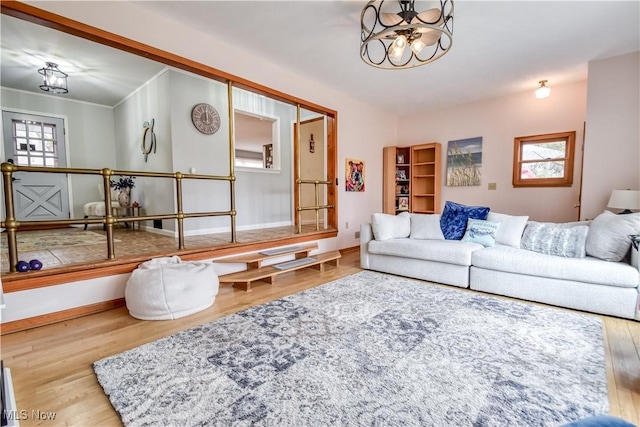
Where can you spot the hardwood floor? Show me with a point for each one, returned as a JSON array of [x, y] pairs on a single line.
[[51, 365]]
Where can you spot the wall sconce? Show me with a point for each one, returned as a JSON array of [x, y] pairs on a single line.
[[55, 81], [543, 91], [312, 145]]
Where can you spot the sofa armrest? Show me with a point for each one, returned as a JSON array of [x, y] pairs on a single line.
[[366, 235]]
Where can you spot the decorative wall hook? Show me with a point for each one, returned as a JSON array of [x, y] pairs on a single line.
[[148, 139]]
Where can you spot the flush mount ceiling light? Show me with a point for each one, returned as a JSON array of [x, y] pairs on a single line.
[[395, 36], [543, 91], [55, 81]]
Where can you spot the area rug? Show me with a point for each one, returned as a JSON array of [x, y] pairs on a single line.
[[29, 241], [368, 349]]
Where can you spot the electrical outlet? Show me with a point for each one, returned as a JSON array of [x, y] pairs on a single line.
[[357, 234], [346, 225], [493, 186]]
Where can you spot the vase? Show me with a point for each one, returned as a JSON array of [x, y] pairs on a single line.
[[123, 197]]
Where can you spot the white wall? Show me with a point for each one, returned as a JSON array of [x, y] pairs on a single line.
[[498, 121], [89, 146], [612, 146], [150, 101]]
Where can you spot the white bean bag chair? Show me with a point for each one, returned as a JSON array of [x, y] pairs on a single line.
[[167, 288]]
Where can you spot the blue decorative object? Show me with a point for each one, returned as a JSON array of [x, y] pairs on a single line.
[[35, 264], [482, 232], [453, 221], [600, 421], [22, 266]]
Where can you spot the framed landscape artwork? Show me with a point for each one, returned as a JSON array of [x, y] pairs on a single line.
[[464, 162]]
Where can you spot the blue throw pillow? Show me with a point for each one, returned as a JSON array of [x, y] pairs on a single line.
[[453, 220], [479, 231]]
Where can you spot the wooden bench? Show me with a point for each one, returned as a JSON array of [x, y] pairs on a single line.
[[257, 272]]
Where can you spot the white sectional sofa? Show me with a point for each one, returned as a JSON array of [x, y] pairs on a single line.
[[412, 245]]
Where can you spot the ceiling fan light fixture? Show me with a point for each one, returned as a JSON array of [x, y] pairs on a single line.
[[543, 91], [397, 48], [54, 80], [388, 26], [417, 45]]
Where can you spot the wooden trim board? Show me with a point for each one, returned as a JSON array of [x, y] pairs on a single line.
[[59, 316]]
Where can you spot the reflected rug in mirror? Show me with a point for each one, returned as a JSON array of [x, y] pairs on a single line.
[[368, 349], [29, 241]]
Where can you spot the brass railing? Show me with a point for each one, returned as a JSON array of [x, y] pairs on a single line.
[[12, 225], [317, 207]]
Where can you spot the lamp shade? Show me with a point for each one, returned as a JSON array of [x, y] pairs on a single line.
[[625, 199]]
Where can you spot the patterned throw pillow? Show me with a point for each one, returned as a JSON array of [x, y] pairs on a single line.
[[453, 220], [483, 232], [553, 239]]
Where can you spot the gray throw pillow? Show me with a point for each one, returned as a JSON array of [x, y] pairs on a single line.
[[552, 239], [609, 235]]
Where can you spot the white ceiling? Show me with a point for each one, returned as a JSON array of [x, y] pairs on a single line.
[[97, 74], [499, 48]]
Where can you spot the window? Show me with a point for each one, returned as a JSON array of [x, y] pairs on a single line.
[[544, 160], [35, 143]]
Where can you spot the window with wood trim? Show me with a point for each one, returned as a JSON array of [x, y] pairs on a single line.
[[544, 160]]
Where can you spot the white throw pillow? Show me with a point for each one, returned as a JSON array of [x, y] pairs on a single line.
[[608, 237], [387, 226], [426, 227], [511, 228]]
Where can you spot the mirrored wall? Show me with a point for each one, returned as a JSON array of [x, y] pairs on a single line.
[[172, 118]]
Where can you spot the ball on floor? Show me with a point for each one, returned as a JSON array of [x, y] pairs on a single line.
[[35, 264], [22, 266]]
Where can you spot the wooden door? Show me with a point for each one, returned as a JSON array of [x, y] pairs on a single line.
[[31, 140]]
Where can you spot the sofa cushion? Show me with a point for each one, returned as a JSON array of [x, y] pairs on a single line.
[[482, 232], [447, 251], [588, 269], [511, 228], [553, 240], [454, 218], [387, 226], [426, 227], [609, 235]]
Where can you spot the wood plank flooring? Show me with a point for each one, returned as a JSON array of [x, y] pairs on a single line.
[[51, 365]]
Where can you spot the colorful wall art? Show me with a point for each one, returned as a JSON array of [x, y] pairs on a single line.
[[354, 175]]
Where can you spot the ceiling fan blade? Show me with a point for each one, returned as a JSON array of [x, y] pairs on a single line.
[[429, 37], [431, 16], [390, 19]]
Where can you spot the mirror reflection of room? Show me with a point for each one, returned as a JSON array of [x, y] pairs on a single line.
[[106, 120]]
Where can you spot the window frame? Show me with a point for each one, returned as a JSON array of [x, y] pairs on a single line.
[[566, 180]]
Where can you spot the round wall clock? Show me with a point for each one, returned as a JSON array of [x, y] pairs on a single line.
[[205, 118]]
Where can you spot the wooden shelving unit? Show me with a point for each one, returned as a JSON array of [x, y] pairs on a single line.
[[425, 178], [396, 169]]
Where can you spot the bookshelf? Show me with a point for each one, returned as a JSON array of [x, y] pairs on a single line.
[[425, 178], [396, 170]]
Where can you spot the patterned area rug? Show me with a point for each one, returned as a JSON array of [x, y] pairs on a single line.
[[29, 241], [369, 349]]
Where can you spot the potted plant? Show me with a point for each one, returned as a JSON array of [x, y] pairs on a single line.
[[124, 185]]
